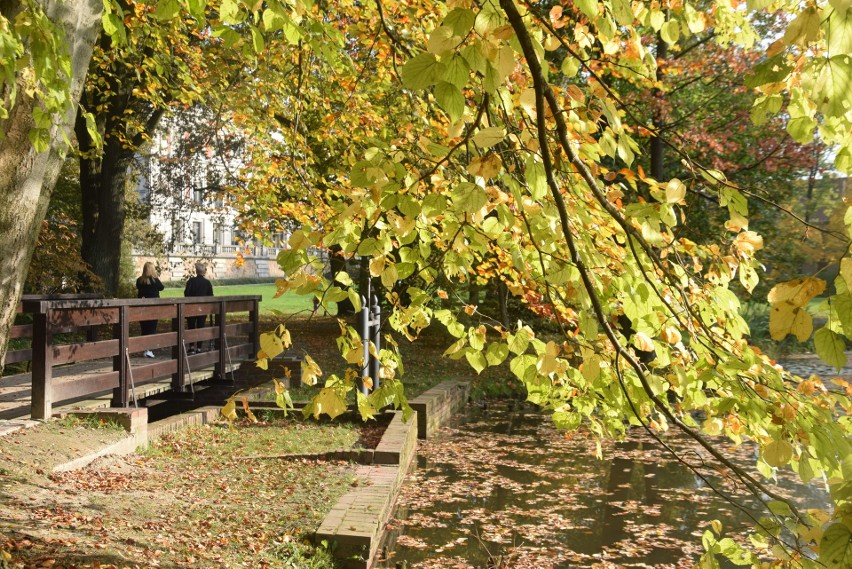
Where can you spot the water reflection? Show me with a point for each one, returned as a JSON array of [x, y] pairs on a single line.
[[505, 487]]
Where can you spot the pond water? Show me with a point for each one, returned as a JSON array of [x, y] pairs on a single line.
[[503, 488]]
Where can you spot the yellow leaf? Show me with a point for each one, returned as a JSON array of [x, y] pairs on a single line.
[[271, 344], [279, 387], [367, 381], [262, 363], [311, 372], [643, 342], [485, 166], [788, 319], [377, 265], [229, 411], [797, 292], [675, 191], [671, 335], [330, 402], [748, 242], [488, 137], [591, 367], [846, 272], [249, 414]]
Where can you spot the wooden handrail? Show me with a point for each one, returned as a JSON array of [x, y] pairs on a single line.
[[55, 315]]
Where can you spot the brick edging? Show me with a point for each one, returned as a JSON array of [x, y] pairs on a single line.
[[355, 526]]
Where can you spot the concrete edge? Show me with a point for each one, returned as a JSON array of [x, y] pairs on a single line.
[[356, 526]]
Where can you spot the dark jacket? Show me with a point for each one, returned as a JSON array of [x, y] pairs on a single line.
[[198, 286], [149, 290]]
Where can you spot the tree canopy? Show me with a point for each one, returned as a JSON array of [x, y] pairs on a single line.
[[449, 143]]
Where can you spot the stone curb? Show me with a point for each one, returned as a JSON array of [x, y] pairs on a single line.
[[356, 525]]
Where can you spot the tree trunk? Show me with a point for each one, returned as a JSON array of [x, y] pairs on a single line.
[[26, 177], [102, 184]]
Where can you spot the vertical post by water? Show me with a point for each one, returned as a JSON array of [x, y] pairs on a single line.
[[375, 337], [365, 336]]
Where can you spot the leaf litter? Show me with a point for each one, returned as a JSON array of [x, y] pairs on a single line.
[[505, 489]]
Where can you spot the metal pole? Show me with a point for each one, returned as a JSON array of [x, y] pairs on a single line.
[[130, 377], [375, 337], [188, 369], [364, 326]]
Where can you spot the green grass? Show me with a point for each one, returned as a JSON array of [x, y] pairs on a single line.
[[288, 303]]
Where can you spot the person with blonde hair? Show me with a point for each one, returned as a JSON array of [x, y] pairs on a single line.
[[149, 286]]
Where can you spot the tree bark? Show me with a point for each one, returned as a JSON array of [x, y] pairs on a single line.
[[26, 177], [102, 184]]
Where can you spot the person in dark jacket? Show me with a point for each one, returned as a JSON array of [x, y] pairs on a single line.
[[197, 286], [149, 286]]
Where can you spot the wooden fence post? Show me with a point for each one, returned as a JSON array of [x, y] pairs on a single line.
[[222, 370], [41, 403], [179, 325], [255, 320]]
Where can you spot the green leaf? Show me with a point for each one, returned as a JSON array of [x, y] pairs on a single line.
[[196, 9], [442, 40], [801, 129], [772, 70], [536, 178], [496, 353], [229, 11], [488, 137], [778, 453], [523, 366], [476, 359], [570, 66], [670, 32], [450, 99], [830, 348], [588, 7], [519, 342], [832, 87], [457, 71], [838, 31], [257, 40], [469, 198], [835, 547], [460, 20], [422, 71], [566, 420], [622, 12], [167, 9]]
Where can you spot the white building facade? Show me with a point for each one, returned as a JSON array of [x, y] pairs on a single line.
[[183, 181]]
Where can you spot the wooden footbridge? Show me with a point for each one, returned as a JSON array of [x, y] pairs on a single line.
[[76, 348]]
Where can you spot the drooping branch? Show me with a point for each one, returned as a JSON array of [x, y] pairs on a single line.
[[544, 94]]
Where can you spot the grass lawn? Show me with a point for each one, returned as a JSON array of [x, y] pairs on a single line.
[[288, 303]]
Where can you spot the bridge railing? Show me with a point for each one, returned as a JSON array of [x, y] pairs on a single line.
[[56, 319]]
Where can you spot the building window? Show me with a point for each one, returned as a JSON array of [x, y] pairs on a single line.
[[198, 196], [196, 232]]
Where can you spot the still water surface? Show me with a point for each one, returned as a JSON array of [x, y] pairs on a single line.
[[504, 487]]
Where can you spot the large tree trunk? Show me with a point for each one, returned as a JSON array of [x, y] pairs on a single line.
[[26, 177], [102, 184]]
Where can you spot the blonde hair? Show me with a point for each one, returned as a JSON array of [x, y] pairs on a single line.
[[149, 273]]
